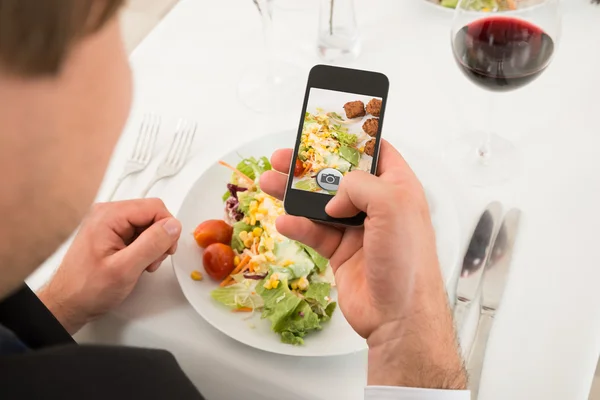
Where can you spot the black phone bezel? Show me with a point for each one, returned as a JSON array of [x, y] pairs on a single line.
[[312, 205]]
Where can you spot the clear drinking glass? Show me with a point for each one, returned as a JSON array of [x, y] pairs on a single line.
[[338, 32], [270, 86], [500, 47]]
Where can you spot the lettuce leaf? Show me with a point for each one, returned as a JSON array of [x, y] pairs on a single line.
[[318, 292], [253, 168], [241, 294], [245, 198], [328, 312], [301, 321], [350, 154], [236, 242], [347, 139], [320, 261], [317, 296], [279, 303], [307, 184], [226, 196], [290, 338], [290, 250]]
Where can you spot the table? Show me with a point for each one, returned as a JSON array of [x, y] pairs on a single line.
[[546, 340]]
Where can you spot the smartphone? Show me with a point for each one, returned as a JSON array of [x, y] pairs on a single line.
[[339, 132]]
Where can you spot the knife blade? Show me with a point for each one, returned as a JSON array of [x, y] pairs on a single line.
[[493, 284], [474, 262]]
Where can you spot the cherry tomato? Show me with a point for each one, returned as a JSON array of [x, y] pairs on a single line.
[[213, 231], [218, 261], [298, 168]]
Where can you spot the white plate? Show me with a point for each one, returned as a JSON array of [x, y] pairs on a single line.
[[204, 202]]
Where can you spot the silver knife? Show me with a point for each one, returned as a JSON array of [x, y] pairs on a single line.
[[475, 261], [493, 284]]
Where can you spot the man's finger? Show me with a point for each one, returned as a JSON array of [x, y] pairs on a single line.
[[273, 183], [353, 195], [149, 246], [123, 217], [390, 159], [281, 160], [324, 239], [156, 264]]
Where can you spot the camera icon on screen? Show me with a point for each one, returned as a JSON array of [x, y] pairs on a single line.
[[329, 179]]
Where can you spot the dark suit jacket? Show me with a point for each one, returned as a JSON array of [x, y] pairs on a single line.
[[55, 367]]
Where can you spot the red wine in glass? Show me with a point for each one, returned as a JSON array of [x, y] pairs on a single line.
[[502, 53]]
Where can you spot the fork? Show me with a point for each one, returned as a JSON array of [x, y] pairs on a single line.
[[142, 152], [177, 155]]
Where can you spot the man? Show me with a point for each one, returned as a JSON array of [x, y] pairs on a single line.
[[64, 97]]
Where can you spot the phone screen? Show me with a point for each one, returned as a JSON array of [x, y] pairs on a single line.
[[339, 135]]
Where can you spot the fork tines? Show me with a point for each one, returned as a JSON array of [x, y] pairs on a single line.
[[146, 138], [184, 137]]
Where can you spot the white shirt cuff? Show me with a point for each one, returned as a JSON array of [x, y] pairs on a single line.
[[402, 393]]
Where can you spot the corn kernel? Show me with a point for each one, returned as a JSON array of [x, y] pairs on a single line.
[[263, 210], [336, 151], [275, 284], [196, 275], [287, 263], [361, 149], [268, 285], [243, 235], [252, 266], [259, 216], [253, 205], [303, 283], [248, 242], [236, 260], [294, 286], [257, 232], [252, 220], [246, 220]]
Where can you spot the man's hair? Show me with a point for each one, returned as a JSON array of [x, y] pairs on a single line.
[[36, 36]]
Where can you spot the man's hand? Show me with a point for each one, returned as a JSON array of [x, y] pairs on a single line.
[[389, 282], [116, 243]]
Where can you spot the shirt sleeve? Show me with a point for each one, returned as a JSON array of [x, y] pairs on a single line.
[[402, 393]]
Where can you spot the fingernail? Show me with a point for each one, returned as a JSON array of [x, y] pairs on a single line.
[[173, 227]]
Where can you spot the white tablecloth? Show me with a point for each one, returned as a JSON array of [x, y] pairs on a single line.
[[546, 340]]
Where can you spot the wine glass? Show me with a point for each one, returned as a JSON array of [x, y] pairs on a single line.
[[500, 45], [270, 86]]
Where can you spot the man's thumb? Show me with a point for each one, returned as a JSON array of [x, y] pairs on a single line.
[[150, 245]]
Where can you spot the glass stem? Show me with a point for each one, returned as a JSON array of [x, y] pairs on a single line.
[[265, 7], [484, 151], [332, 4]]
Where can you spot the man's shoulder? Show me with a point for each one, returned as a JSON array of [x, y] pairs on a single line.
[[94, 372]]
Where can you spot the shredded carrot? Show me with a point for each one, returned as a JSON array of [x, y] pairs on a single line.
[[237, 171], [306, 168], [229, 280], [242, 309]]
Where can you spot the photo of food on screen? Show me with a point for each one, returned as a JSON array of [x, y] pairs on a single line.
[[338, 136]]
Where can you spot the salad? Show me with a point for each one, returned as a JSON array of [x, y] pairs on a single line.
[[259, 269], [482, 5], [327, 143]]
